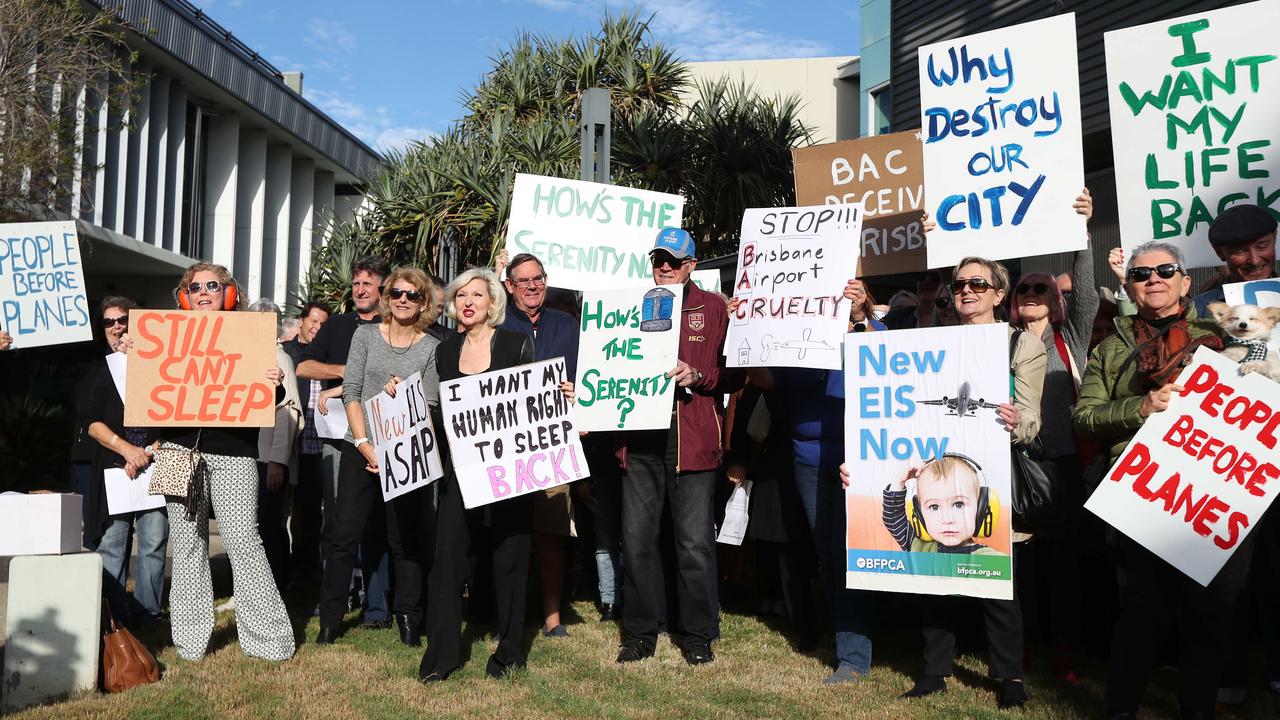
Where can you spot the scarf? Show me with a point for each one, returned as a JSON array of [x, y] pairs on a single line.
[[1255, 350], [1165, 347]]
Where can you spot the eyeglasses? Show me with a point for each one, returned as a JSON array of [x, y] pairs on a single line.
[[671, 260], [122, 321], [977, 284], [536, 280], [212, 286], [1143, 273], [413, 295], [1038, 288]]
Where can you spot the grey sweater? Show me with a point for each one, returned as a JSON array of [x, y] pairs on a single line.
[[1057, 434], [372, 362]]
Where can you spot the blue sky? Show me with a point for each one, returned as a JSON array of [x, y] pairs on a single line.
[[392, 70]]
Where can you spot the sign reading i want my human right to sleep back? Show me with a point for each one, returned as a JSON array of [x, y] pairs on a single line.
[[42, 298]]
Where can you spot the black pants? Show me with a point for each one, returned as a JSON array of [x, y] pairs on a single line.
[[456, 531], [275, 540], [304, 520], [651, 481], [1156, 598], [942, 617]]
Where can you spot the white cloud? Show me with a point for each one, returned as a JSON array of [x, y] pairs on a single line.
[[399, 138], [374, 125], [326, 34]]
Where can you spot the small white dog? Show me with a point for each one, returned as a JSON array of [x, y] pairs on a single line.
[[1248, 329]]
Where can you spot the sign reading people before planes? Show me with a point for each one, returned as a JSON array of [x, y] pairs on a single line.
[[42, 299], [589, 236], [885, 173], [207, 369], [928, 458], [793, 265], [1197, 477], [1194, 102], [511, 432], [1003, 159], [404, 440], [630, 339]]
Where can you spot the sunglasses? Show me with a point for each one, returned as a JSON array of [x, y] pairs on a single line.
[[1143, 273], [977, 284], [413, 295], [1038, 288], [212, 286], [122, 321], [674, 262]]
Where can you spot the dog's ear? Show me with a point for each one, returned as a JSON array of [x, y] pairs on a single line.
[[1272, 314], [1219, 310]]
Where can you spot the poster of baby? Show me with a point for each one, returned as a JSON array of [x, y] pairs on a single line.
[[928, 459]]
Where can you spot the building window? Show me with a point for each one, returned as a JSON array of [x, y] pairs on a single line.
[[879, 110], [191, 243]]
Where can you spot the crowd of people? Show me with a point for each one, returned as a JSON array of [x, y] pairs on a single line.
[[300, 511]]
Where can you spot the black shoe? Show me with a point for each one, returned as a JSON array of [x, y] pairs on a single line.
[[327, 635], [608, 612], [698, 653], [559, 631], [927, 685], [375, 625], [497, 670], [1013, 694], [633, 651], [409, 633]]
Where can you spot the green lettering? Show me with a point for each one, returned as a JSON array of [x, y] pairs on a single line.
[[1164, 225], [1196, 215], [1153, 176], [1244, 159], [1187, 31], [1136, 103]]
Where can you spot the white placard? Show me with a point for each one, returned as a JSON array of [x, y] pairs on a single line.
[[42, 300], [333, 426], [117, 365], [512, 432], [1263, 293], [403, 438], [736, 516], [1198, 476], [589, 236], [1194, 102], [793, 265], [1003, 158], [708, 280], [126, 495]]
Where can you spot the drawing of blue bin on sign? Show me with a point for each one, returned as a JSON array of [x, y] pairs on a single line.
[[655, 311]]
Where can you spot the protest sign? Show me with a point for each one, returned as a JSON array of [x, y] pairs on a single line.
[[883, 173], [126, 495], [511, 432], [1198, 476], [708, 280], [630, 339], [404, 440], [1263, 293], [1003, 159], [589, 236], [928, 458], [209, 369], [793, 265], [1194, 102], [42, 300]]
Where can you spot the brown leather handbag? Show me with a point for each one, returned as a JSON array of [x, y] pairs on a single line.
[[126, 662]]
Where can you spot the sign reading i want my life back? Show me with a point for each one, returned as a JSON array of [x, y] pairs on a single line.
[[1194, 102], [1198, 476], [589, 236], [511, 432], [42, 299], [404, 440], [1003, 160], [793, 265], [928, 457]]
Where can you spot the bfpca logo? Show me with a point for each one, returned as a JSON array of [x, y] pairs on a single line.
[[880, 564]]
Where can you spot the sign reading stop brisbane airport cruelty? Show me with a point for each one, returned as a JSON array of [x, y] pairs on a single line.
[[1000, 113], [589, 236], [793, 265], [1194, 102], [42, 299]]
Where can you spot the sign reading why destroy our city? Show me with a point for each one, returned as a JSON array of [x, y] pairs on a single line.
[[511, 432], [589, 236], [793, 265], [630, 339], [928, 457], [208, 369], [1003, 162], [1194, 102], [404, 440], [885, 174], [42, 299], [1198, 476]]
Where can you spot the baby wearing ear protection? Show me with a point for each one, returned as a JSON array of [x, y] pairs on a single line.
[[951, 507]]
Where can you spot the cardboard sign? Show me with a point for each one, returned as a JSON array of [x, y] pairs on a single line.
[[1003, 161], [928, 457], [793, 265], [630, 340], [883, 173], [589, 236], [1263, 293], [42, 300], [190, 368], [511, 432], [126, 495], [404, 440], [1194, 102], [1197, 477]]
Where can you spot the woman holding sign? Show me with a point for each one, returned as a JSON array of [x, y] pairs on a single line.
[[395, 348]]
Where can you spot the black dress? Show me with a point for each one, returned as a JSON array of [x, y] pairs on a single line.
[[456, 530]]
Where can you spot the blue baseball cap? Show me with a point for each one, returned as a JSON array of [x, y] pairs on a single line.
[[677, 242]]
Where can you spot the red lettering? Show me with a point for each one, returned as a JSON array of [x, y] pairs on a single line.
[[1208, 515], [1235, 524], [160, 409], [1184, 503], [1241, 469], [1235, 410], [179, 414], [1268, 434], [1168, 492], [1259, 478], [146, 335], [1136, 457], [1177, 431], [1214, 399], [166, 373], [1202, 378], [1210, 448], [260, 396]]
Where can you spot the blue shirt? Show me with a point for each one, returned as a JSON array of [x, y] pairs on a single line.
[[817, 416], [555, 335]]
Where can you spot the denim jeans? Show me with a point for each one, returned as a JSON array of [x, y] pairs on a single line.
[[606, 490], [824, 506], [148, 589]]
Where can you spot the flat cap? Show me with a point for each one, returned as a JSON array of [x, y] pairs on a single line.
[[1240, 223]]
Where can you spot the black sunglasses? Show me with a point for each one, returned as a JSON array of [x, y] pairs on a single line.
[[212, 286], [413, 295], [1143, 272], [123, 320], [977, 284], [1039, 288], [662, 259]]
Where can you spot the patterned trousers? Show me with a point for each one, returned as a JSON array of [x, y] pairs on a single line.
[[231, 485]]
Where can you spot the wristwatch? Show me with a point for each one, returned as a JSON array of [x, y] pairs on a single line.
[[697, 375], [359, 441]]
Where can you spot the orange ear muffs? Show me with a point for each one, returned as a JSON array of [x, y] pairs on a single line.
[[230, 297]]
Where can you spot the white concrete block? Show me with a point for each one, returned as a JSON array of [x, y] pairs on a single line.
[[39, 523]]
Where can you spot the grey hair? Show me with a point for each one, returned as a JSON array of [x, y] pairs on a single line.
[[268, 305], [1157, 246], [497, 296], [287, 324]]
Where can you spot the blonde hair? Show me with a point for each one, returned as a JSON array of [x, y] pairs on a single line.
[[497, 296], [948, 467], [420, 282], [224, 277]]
